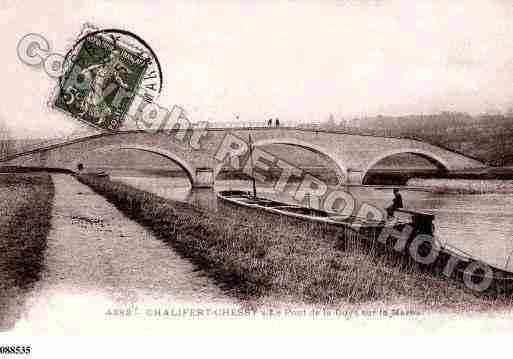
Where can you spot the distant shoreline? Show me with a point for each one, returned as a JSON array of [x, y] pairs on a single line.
[[463, 186]]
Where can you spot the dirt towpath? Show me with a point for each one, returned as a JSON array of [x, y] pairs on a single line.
[[104, 272]]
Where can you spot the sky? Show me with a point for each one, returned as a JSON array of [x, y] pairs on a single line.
[[299, 61]]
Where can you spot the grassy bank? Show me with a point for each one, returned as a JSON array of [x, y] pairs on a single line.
[[25, 211], [256, 255], [463, 186], [402, 176]]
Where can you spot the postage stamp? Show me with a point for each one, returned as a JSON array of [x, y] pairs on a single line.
[[106, 73]]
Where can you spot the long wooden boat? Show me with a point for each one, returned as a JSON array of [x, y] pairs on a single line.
[[501, 280], [246, 199]]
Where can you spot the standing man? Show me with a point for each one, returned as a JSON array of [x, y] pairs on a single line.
[[277, 122], [396, 204], [80, 170]]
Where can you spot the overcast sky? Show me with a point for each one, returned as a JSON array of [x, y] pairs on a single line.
[[297, 60]]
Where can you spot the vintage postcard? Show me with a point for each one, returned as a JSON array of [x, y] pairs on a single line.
[[242, 167]]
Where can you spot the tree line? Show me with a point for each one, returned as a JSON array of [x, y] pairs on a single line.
[[486, 137]]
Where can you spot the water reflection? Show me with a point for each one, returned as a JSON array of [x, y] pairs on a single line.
[[478, 224]]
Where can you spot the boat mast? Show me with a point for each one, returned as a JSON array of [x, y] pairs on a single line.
[[251, 162]]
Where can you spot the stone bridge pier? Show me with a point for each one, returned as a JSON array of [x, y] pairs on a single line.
[[204, 178], [354, 176]]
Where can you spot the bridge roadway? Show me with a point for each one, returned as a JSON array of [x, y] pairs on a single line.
[[203, 152]]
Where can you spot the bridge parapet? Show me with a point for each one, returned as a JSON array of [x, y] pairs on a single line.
[[229, 125]]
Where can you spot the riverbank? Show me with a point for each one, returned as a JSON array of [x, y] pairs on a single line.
[[462, 186], [25, 215], [98, 263], [272, 259]]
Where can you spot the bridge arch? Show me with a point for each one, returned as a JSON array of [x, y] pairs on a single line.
[[341, 168], [189, 170], [430, 156]]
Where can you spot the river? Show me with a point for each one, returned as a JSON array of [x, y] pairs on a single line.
[[477, 224]]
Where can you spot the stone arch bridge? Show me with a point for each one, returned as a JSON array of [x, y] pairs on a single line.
[[202, 152]]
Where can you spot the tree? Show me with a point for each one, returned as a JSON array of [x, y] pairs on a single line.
[[331, 122], [5, 140]]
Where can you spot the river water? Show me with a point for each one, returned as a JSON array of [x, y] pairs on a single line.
[[477, 224]]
